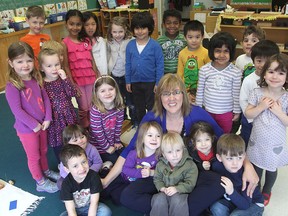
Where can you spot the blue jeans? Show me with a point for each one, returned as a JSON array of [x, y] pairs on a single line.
[[221, 209], [102, 210]]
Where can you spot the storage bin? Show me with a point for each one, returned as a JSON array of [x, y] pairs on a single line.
[[57, 17], [19, 25]]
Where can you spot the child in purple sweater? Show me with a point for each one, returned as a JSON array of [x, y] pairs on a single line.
[[138, 170], [31, 108], [77, 135], [141, 162], [106, 118]]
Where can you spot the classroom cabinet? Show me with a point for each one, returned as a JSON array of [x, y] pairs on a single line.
[[108, 14], [274, 24]]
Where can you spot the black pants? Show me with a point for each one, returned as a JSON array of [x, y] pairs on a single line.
[[114, 190], [206, 192], [127, 97], [111, 157], [143, 97], [138, 195]]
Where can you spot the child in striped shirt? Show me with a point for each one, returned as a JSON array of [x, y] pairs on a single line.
[[219, 82], [106, 118]]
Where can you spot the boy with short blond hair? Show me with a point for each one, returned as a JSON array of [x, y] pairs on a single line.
[[81, 188], [35, 17], [194, 55], [175, 177], [230, 157], [172, 41]]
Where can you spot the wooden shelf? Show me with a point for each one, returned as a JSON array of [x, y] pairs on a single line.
[[108, 14], [277, 31]]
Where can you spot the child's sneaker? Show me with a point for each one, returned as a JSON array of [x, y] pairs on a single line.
[[266, 198], [48, 186], [54, 176]]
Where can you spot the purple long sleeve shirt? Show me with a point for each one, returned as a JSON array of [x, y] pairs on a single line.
[[30, 105], [105, 128], [133, 165]]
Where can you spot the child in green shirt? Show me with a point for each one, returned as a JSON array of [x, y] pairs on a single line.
[[172, 42]]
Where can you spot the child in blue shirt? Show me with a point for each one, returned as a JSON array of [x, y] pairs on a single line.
[[230, 157], [144, 63]]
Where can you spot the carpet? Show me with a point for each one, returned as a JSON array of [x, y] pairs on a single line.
[[13, 166], [15, 202]]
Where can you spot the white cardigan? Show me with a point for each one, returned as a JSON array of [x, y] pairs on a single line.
[[114, 49], [99, 51]]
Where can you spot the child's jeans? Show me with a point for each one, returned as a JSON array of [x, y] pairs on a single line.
[[169, 205], [84, 104], [102, 210], [225, 208], [35, 146]]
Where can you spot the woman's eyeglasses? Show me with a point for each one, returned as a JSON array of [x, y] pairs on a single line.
[[174, 93]]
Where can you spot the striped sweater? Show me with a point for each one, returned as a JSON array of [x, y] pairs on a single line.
[[105, 128], [218, 91]]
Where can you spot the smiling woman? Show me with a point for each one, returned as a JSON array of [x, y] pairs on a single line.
[[174, 113]]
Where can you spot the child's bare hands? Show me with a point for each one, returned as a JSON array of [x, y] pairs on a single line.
[[236, 116], [128, 88], [170, 191], [266, 102], [111, 150], [206, 165], [118, 146], [145, 172], [38, 128], [227, 184], [79, 93], [276, 108], [45, 125], [155, 89], [62, 74]]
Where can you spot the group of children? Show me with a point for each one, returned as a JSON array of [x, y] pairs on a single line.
[[78, 68]]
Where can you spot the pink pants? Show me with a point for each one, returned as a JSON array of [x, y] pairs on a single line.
[[224, 120], [84, 104], [35, 146]]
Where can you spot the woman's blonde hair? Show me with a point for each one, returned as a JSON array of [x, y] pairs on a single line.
[[118, 101], [172, 140], [141, 135], [170, 82], [15, 50], [120, 21]]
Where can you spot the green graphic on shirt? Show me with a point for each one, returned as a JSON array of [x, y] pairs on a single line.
[[248, 69], [191, 73]]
